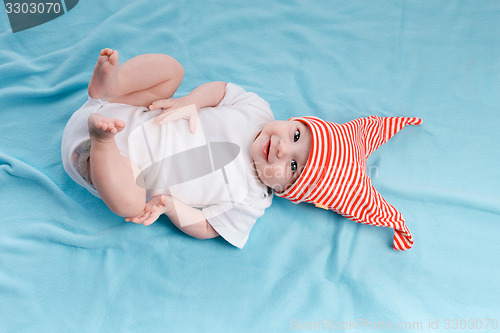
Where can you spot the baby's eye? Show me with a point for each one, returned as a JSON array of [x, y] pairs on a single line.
[[293, 165], [296, 136]]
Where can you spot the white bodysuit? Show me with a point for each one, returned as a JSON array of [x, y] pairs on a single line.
[[211, 170]]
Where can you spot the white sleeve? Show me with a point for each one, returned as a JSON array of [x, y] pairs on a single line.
[[234, 224], [237, 96]]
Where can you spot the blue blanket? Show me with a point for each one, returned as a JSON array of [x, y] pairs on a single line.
[[67, 264]]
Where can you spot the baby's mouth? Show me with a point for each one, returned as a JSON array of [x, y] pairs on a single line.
[[265, 149]]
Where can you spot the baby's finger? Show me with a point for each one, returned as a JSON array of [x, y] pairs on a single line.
[[162, 115], [131, 219], [143, 217], [166, 203], [193, 121], [171, 116], [162, 103], [150, 220], [138, 219], [134, 219], [163, 200], [152, 217]]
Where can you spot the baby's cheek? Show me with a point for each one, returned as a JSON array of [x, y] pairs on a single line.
[[265, 173], [272, 172]]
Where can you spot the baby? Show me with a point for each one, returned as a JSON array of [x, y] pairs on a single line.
[[111, 146], [100, 146]]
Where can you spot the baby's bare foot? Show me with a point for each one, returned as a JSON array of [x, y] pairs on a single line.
[[102, 129], [104, 81]]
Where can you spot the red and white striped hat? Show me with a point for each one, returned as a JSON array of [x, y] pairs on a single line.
[[335, 173]]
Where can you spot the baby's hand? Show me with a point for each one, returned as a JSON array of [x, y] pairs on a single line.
[[154, 208], [176, 108], [171, 103]]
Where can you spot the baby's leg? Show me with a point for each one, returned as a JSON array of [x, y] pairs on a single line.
[[139, 81], [111, 172]]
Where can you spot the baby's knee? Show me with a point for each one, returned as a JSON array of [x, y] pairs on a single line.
[[175, 69]]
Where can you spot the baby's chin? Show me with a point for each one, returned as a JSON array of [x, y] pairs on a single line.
[[254, 150], [258, 171]]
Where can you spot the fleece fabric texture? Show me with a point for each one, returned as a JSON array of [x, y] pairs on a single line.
[[67, 264]]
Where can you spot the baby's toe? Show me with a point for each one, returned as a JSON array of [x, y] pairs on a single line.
[[102, 125], [113, 58]]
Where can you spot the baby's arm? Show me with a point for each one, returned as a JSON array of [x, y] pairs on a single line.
[[206, 95], [190, 220], [187, 219]]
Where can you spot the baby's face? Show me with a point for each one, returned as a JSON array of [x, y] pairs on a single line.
[[280, 152]]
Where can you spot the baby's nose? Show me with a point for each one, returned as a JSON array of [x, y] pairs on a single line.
[[283, 149]]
